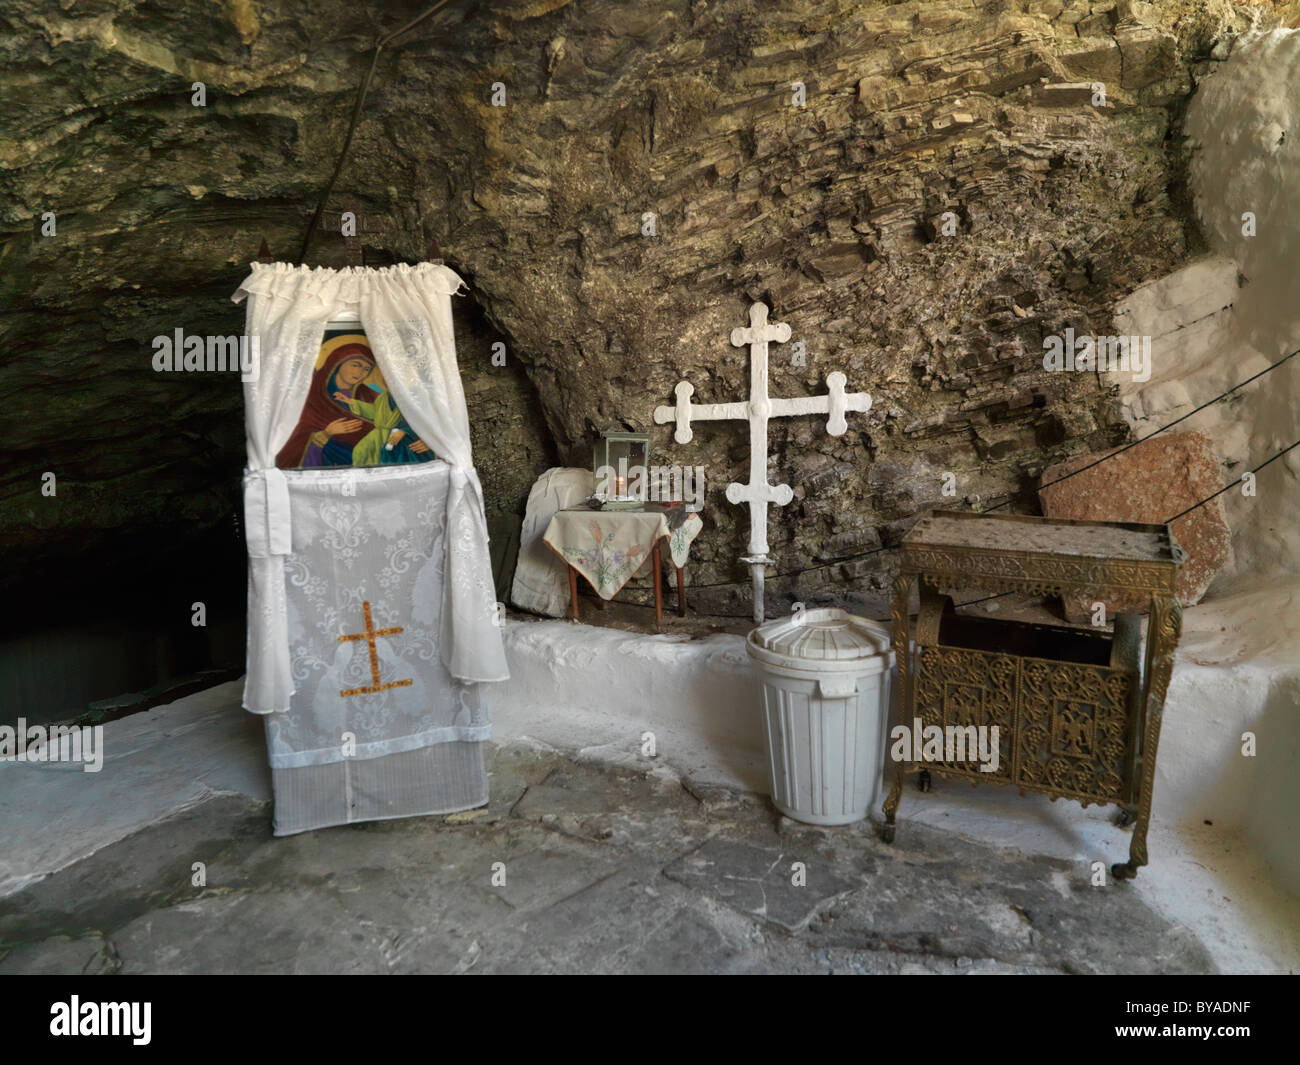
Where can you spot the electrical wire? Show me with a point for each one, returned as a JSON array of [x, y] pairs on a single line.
[[362, 92], [998, 595], [1238, 481], [1170, 521], [1134, 443], [1098, 462]]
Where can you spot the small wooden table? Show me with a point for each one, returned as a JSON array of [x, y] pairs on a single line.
[[1081, 728], [655, 561], [608, 547]]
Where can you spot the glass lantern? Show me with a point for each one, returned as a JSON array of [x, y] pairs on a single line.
[[620, 463]]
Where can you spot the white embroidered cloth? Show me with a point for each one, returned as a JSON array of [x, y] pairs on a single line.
[[377, 727], [609, 547], [541, 581], [406, 312], [366, 563]]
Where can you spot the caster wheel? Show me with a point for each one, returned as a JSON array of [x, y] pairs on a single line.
[[887, 833], [923, 782], [1121, 871]]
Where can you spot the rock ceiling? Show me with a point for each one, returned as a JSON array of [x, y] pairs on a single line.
[[833, 212]]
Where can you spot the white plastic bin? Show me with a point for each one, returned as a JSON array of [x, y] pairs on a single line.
[[825, 681]]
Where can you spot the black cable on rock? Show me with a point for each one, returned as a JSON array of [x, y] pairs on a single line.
[[1098, 462], [1194, 506], [356, 115], [1238, 481], [1134, 443]]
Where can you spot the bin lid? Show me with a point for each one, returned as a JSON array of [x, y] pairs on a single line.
[[829, 637]]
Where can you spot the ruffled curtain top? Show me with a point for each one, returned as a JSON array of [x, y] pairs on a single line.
[[406, 313], [333, 289]]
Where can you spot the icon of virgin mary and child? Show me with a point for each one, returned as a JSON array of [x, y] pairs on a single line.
[[347, 423]]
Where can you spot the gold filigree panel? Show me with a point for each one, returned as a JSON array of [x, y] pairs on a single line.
[[961, 688], [1062, 726], [1074, 723]]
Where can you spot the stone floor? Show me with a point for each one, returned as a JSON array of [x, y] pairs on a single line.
[[576, 867]]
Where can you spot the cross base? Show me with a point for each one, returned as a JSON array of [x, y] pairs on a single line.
[[757, 565]]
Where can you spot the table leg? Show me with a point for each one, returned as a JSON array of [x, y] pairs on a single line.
[[901, 700], [573, 593], [681, 592], [659, 587], [1164, 627]]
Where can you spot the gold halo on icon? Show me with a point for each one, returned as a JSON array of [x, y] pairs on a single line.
[[376, 378]]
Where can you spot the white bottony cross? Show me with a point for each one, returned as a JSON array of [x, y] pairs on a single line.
[[758, 493]]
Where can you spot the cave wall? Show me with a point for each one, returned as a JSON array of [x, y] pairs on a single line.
[[832, 212]]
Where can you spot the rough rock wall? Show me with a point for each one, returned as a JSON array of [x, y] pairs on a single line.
[[832, 211]]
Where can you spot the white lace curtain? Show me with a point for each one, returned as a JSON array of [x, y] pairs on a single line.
[[406, 314]]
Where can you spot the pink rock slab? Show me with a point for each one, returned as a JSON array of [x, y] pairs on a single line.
[[1150, 483]]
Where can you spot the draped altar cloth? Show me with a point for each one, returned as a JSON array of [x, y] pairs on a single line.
[[610, 547], [360, 550]]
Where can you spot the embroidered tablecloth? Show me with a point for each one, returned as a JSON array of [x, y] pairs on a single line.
[[608, 547]]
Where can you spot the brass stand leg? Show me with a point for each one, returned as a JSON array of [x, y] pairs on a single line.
[[1164, 626], [898, 614], [573, 593]]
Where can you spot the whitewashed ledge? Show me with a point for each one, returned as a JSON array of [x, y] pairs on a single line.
[[580, 687]]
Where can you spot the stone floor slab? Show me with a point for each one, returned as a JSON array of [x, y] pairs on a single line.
[[588, 869], [776, 884]]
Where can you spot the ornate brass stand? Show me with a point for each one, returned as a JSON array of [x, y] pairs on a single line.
[[1085, 730]]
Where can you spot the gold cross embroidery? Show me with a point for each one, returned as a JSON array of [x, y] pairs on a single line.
[[369, 636]]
